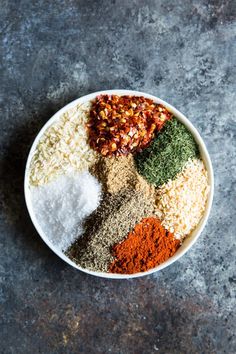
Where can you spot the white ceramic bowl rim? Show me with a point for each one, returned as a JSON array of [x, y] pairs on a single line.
[[190, 240]]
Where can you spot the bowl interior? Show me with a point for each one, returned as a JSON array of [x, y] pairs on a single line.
[[188, 242]]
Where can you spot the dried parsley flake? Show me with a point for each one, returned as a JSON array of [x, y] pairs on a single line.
[[167, 154]]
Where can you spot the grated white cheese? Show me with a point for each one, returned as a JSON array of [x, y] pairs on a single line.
[[63, 145], [61, 206], [181, 202]]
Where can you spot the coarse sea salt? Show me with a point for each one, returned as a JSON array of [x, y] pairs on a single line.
[[62, 205]]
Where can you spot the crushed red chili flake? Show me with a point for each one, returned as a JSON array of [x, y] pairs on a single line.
[[119, 125]]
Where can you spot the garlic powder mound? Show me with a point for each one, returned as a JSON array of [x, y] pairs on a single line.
[[181, 202], [63, 146]]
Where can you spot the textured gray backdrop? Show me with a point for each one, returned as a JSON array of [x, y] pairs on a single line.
[[55, 51]]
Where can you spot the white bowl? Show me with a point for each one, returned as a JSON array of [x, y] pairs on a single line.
[[189, 241]]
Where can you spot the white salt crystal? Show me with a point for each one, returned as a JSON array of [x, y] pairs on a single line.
[[61, 206]]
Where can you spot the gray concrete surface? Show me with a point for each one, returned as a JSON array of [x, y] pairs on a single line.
[[55, 51]]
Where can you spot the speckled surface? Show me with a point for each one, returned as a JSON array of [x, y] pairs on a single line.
[[55, 51]]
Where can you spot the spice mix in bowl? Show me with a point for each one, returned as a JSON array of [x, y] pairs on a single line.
[[119, 184]]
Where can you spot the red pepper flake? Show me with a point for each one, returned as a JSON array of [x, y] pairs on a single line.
[[119, 125]]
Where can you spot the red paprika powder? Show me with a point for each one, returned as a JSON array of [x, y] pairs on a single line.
[[148, 245]]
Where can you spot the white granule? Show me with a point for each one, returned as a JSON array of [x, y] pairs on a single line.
[[181, 202], [61, 206], [63, 145]]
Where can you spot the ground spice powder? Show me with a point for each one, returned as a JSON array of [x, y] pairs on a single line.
[[148, 245], [117, 174], [116, 216]]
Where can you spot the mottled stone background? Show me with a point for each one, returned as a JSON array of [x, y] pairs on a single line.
[[55, 51]]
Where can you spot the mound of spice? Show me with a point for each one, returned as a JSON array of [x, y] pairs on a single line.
[[118, 173], [119, 125], [115, 173], [62, 205], [148, 245], [64, 145], [167, 154], [109, 224], [182, 201]]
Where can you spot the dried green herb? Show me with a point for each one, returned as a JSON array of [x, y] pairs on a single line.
[[167, 154]]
